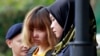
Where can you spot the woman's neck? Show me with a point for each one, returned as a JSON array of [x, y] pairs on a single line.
[[42, 48]]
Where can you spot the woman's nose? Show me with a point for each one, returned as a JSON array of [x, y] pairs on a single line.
[[35, 34], [51, 26]]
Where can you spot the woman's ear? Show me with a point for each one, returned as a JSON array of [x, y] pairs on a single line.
[[9, 43]]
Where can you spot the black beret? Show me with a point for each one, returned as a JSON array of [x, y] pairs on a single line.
[[14, 30]]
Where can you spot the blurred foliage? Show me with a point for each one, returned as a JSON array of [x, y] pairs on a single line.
[[98, 52], [14, 11], [97, 15], [11, 12]]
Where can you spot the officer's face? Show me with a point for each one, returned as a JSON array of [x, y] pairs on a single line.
[[18, 48], [56, 28]]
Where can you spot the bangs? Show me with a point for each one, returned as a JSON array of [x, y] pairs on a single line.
[[37, 23]]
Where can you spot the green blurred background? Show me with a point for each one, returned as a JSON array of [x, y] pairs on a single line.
[[14, 11]]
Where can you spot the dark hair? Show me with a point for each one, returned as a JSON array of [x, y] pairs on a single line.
[[63, 11]]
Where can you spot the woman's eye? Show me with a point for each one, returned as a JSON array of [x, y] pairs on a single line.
[[53, 19], [19, 41]]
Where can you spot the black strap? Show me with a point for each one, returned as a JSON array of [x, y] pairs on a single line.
[[30, 52], [49, 53]]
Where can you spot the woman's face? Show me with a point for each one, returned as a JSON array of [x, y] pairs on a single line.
[[56, 28], [39, 37]]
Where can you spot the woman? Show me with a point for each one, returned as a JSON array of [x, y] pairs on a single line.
[[37, 32], [62, 17]]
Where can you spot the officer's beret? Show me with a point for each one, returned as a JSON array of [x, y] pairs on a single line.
[[14, 30]]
